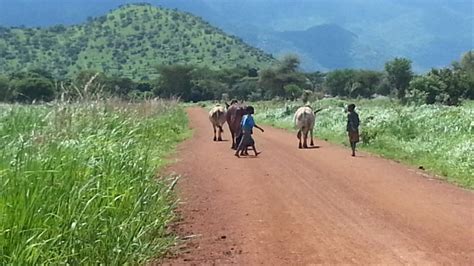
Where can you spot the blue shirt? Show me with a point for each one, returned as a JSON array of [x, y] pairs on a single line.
[[247, 123]]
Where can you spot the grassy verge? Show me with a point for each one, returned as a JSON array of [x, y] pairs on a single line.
[[439, 138], [78, 182]]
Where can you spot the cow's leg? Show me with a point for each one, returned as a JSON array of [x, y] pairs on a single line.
[[233, 140], [312, 142], [219, 134], [305, 139], [214, 127], [299, 139]]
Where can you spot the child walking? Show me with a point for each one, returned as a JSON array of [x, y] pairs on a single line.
[[247, 125], [352, 126]]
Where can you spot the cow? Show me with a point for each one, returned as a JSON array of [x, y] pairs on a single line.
[[304, 121], [217, 116], [235, 111]]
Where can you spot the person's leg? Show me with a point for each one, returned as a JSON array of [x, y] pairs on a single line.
[[241, 145], [353, 146], [255, 150], [239, 148]]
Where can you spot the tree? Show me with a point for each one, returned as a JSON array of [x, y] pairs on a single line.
[[5, 91], [174, 80], [33, 88], [467, 69], [467, 61], [273, 81], [120, 86], [293, 91], [444, 86], [290, 63], [316, 79], [399, 75], [339, 82], [368, 82]]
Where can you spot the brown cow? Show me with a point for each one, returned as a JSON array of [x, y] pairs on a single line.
[[217, 116], [235, 111]]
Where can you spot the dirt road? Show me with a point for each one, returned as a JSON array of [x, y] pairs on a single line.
[[315, 206]]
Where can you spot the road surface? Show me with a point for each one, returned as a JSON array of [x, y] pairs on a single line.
[[315, 206]]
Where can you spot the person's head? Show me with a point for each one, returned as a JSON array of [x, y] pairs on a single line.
[[250, 110], [351, 107]]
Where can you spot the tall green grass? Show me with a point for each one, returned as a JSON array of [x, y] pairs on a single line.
[[78, 182], [439, 138]]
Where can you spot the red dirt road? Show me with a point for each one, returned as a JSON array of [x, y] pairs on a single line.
[[315, 206]]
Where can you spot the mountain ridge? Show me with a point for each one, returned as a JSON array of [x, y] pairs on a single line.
[[128, 41]]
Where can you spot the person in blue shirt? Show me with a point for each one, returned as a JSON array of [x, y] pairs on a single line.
[[247, 125]]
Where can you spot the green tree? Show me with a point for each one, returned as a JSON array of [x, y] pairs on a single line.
[[339, 82], [273, 81], [175, 80], [399, 74], [444, 86], [467, 69], [368, 82], [316, 79], [33, 88], [467, 61], [5, 91], [293, 92]]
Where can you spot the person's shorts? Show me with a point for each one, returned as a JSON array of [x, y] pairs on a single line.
[[353, 136]]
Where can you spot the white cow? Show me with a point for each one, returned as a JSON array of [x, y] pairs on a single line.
[[217, 116], [304, 122]]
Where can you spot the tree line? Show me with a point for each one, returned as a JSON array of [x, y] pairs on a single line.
[[447, 85]]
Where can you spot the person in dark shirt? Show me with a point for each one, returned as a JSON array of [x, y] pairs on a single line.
[[247, 126], [353, 126]]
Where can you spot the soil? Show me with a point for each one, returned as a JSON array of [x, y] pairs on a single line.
[[312, 206]]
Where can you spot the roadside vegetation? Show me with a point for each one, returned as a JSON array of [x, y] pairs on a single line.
[[79, 181], [437, 138]]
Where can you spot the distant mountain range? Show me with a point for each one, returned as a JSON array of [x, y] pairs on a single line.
[[327, 34], [130, 41]]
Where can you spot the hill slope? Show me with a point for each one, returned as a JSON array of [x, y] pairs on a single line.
[[129, 41]]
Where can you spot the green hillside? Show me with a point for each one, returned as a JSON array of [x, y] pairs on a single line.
[[129, 41]]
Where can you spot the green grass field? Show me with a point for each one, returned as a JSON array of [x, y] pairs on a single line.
[[439, 138], [79, 182]]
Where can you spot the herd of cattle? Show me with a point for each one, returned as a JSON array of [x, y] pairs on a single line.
[[232, 114]]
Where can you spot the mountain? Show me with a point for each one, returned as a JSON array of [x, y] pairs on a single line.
[[432, 33], [129, 41]]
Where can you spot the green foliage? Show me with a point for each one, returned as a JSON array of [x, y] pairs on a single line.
[[34, 85], [444, 86], [274, 80], [128, 42], [292, 91], [78, 182], [399, 74], [338, 82], [435, 136], [5, 90], [175, 81]]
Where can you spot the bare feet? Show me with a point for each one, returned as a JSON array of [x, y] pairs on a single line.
[[237, 155], [257, 153]]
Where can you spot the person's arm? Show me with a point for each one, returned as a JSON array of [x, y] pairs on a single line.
[[261, 129]]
